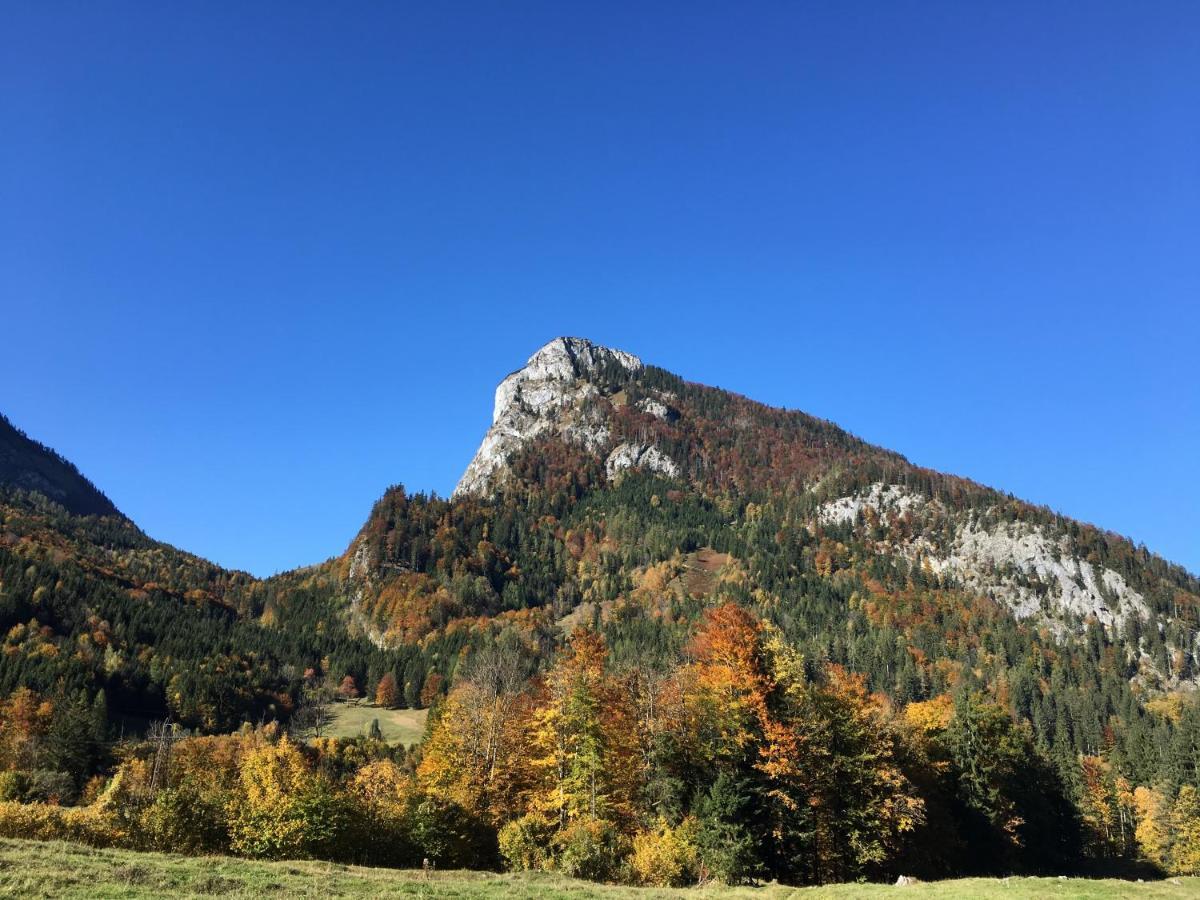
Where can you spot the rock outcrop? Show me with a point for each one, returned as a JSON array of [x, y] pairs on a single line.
[[640, 456], [1032, 571], [548, 392]]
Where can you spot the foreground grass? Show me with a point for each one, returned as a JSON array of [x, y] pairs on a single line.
[[56, 869], [399, 726]]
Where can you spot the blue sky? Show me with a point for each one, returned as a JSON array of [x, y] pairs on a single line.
[[259, 261]]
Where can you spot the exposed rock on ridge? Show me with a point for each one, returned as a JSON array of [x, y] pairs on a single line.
[[1035, 573], [547, 393]]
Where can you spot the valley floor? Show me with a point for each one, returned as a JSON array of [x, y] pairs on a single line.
[[56, 869]]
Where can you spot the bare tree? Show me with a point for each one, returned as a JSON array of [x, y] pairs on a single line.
[[314, 714], [496, 676]]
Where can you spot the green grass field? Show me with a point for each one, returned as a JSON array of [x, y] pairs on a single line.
[[56, 869], [399, 726]]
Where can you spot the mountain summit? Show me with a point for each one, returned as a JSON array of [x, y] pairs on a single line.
[[550, 392]]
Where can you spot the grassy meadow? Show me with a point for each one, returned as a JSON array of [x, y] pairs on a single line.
[[57, 869], [399, 726]]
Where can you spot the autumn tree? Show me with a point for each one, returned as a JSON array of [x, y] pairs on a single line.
[[348, 689], [1153, 830], [473, 755], [1106, 808], [25, 720], [581, 743], [726, 686], [1185, 832], [840, 800], [387, 692]]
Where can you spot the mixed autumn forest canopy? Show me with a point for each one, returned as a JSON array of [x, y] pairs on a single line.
[[643, 678]]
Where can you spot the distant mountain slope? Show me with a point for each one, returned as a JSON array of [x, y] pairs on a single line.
[[90, 605], [27, 465], [580, 418]]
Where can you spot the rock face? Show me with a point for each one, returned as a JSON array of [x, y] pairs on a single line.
[[656, 408], [882, 498], [1022, 564], [547, 393], [640, 456], [1033, 572]]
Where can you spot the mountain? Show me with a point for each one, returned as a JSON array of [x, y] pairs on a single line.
[[631, 557], [27, 465], [660, 629], [90, 606], [611, 492], [582, 418]]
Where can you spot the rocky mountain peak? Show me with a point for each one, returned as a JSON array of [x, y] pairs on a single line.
[[548, 392], [561, 362]]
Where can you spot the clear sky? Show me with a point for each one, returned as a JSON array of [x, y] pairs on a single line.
[[259, 261]]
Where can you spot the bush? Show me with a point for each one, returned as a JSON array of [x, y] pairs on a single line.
[[329, 824], [525, 844], [184, 820], [46, 786], [313, 822], [281, 810], [593, 850], [451, 837], [665, 857], [38, 786], [12, 787], [94, 825]]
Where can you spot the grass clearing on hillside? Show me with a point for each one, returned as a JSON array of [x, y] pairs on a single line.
[[399, 726], [57, 869]]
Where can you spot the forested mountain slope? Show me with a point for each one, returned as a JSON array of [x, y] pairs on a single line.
[[97, 615], [599, 471], [27, 465], [665, 632]]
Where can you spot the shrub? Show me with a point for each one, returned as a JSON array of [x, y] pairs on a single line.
[[593, 850], [264, 818], [47, 786], [12, 787], [665, 857], [450, 836], [525, 844], [38, 786], [184, 820], [94, 825], [313, 822]]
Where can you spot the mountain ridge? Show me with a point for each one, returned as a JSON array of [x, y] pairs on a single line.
[[26, 464], [583, 417], [579, 423]]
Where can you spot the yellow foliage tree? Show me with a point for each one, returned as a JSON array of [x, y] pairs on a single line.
[[1185, 832], [472, 757], [1153, 831], [282, 810], [582, 742], [665, 856]]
